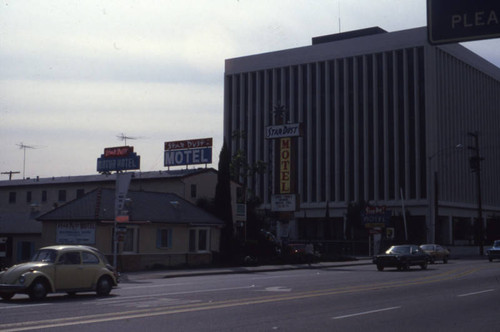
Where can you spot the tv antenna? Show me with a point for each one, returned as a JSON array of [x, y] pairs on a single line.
[[24, 147], [124, 138], [10, 173]]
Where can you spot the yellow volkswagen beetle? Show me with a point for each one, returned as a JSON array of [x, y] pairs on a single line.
[[63, 268]]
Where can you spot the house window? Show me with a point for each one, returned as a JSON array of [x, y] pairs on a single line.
[[164, 238], [62, 195], [130, 243], [12, 197], [44, 195], [193, 191], [80, 193], [28, 197], [198, 240]]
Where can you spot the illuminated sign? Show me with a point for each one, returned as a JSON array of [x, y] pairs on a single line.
[[285, 158], [119, 151], [188, 144], [376, 216], [281, 131], [188, 152], [118, 159], [188, 157]]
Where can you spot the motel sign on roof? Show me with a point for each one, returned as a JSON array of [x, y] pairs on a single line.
[[188, 152]]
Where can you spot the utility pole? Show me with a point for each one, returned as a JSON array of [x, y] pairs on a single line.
[[475, 165]]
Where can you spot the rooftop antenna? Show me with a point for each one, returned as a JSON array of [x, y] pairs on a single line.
[[124, 138], [24, 147], [340, 30], [10, 173]]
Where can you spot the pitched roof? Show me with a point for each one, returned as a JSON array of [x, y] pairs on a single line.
[[98, 205]]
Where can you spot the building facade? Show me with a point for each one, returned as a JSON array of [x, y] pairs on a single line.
[[22, 201], [386, 121], [162, 229]]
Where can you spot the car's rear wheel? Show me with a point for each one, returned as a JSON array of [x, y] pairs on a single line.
[[445, 260], [423, 265], [380, 267], [104, 285], [38, 290], [405, 266], [6, 296]]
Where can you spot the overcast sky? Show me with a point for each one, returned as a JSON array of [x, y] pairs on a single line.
[[75, 74]]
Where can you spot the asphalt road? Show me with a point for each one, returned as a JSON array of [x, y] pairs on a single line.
[[459, 296]]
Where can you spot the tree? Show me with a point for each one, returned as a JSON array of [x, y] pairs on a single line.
[[222, 202]]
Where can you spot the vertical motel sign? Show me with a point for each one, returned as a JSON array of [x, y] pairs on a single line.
[[285, 200]]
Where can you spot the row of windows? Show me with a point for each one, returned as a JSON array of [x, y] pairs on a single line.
[[198, 239], [364, 121], [61, 196]]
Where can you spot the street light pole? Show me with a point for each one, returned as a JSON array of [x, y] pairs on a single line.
[[475, 164]]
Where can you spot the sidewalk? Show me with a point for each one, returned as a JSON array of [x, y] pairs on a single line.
[[158, 274]]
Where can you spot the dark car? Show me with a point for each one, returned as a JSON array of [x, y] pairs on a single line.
[[402, 257], [436, 252], [295, 252], [494, 252]]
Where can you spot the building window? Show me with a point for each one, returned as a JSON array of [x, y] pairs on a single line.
[[80, 193], [164, 238], [193, 191], [198, 240], [12, 197], [44, 195], [130, 244], [62, 195], [28, 197]]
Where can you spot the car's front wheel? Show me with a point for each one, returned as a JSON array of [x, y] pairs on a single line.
[[424, 265], [38, 290], [104, 285], [380, 267], [6, 296]]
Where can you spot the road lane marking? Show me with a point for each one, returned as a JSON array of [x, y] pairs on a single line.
[[366, 313], [278, 289], [476, 293], [126, 298], [24, 306], [150, 312], [153, 286]]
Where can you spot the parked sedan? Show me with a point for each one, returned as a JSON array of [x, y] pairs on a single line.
[[61, 268], [402, 257], [494, 252], [436, 252]]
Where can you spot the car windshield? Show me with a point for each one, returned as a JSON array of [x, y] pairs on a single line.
[[398, 250], [496, 243], [427, 247], [45, 255]]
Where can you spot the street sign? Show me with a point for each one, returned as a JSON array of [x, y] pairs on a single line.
[[453, 21]]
